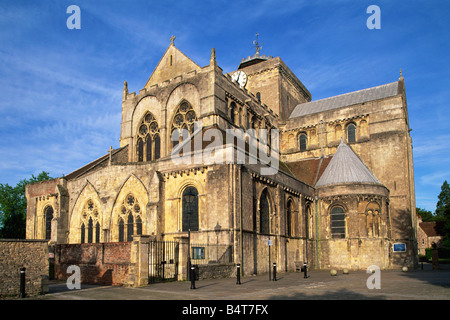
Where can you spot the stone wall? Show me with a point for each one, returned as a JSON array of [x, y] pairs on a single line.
[[217, 271], [31, 254], [100, 263]]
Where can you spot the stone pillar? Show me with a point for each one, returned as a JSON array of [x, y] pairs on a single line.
[[182, 257], [139, 259]]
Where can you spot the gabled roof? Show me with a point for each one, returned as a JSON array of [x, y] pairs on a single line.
[[97, 163], [348, 99], [432, 228], [173, 63], [346, 167]]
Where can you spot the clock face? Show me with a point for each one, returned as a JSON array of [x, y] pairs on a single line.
[[240, 77]]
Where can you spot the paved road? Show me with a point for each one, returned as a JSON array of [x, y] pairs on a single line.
[[418, 284]]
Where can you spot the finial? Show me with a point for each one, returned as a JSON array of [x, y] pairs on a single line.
[[212, 60], [110, 154], [125, 91], [401, 75], [172, 39]]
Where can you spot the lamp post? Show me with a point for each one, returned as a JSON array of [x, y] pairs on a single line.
[[217, 230]]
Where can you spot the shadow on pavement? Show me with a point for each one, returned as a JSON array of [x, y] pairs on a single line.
[[440, 277]]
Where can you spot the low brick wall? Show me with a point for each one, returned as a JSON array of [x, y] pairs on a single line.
[[31, 254], [100, 263]]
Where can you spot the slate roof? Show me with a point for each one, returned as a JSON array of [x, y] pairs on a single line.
[[343, 100], [346, 167], [309, 170], [432, 228]]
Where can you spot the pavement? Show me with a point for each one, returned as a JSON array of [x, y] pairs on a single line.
[[418, 284]]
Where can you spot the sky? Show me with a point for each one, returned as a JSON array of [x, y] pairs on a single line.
[[61, 88]]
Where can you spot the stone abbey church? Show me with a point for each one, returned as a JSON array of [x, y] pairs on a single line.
[[342, 195]]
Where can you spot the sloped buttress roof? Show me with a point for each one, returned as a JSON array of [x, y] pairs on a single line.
[[346, 167]]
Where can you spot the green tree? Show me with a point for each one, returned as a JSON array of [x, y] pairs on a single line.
[[13, 207], [443, 212], [426, 215], [443, 200]]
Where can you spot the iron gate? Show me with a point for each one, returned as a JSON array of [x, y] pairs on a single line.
[[162, 261]]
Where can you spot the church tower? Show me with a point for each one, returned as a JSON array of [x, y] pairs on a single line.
[[272, 82]]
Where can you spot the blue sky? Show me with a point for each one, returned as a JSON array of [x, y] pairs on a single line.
[[61, 89]]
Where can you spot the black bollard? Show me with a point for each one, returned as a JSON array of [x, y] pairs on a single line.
[[238, 274], [22, 283], [274, 271], [305, 271], [192, 277]]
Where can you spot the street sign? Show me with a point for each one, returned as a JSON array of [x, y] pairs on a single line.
[[269, 242]]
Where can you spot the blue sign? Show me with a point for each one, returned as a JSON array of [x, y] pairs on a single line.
[[399, 247]]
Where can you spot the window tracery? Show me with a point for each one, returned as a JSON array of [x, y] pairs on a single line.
[[129, 222], [184, 118], [148, 139], [90, 217]]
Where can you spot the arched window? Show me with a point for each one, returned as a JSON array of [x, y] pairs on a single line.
[[351, 133], [233, 112], [149, 147], [90, 230], [147, 132], [337, 222], [184, 119], [140, 150], [90, 216], [302, 141], [258, 96], [157, 147], [121, 230], [97, 232], [264, 213], [130, 211], [82, 233], [190, 209], [373, 219], [48, 222], [289, 210], [130, 225], [309, 221], [138, 226]]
